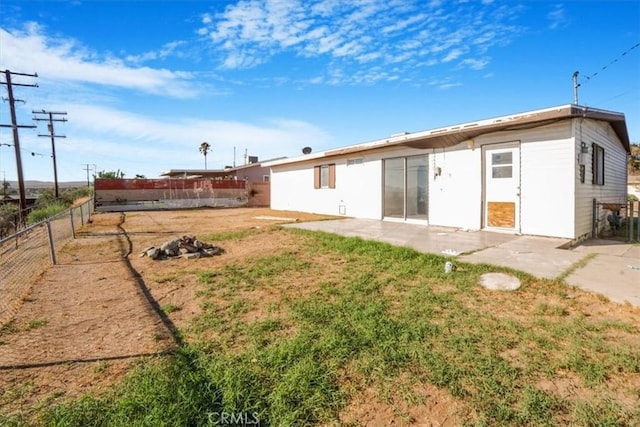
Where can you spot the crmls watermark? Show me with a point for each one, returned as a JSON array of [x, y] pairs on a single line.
[[234, 419]]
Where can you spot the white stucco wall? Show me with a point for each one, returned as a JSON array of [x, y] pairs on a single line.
[[455, 197], [358, 188]]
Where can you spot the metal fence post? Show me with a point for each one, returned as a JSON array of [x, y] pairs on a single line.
[[630, 219], [73, 228], [594, 226], [52, 250]]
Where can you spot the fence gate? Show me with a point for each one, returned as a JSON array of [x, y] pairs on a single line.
[[619, 220]]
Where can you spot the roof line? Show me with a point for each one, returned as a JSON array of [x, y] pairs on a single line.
[[451, 135]]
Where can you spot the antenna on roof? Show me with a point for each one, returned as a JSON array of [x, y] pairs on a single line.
[[306, 150], [576, 85]]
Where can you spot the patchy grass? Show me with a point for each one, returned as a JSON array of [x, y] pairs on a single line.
[[169, 308], [293, 337], [35, 324], [232, 235]]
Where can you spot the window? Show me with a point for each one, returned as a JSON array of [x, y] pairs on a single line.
[[597, 164], [324, 176], [265, 178], [351, 162], [501, 164]]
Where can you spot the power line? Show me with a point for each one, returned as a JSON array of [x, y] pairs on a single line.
[[589, 77]]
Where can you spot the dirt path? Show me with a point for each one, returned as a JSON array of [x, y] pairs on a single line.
[[88, 308]]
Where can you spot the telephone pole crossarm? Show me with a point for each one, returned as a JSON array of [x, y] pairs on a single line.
[[19, 126]]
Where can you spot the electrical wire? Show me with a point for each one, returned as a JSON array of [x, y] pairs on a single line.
[[591, 76]]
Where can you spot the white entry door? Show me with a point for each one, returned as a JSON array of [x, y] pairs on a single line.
[[502, 187]]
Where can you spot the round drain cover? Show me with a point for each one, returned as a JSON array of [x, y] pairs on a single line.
[[499, 282]]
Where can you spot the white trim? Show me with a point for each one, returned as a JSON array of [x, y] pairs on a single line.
[[518, 200]]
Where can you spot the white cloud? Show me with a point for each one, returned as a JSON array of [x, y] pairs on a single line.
[[206, 19], [557, 17], [453, 54], [250, 32], [168, 49], [156, 144], [65, 59], [474, 63]]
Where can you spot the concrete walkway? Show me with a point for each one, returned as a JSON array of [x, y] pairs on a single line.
[[606, 267]]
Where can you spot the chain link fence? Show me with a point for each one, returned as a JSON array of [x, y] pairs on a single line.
[[25, 255], [617, 220]]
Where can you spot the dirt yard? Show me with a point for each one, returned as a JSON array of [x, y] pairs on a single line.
[[105, 308], [100, 310]]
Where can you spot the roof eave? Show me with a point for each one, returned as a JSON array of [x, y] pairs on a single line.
[[453, 135]]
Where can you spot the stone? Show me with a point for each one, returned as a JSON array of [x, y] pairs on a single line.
[[499, 282], [171, 245], [186, 246], [153, 253]]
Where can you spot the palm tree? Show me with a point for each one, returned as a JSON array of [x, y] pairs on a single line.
[[204, 149]]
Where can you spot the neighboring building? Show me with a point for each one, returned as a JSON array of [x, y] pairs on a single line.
[[533, 173], [253, 171]]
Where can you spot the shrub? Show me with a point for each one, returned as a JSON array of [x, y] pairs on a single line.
[[41, 214]]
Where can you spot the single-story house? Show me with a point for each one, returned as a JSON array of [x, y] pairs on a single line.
[[253, 170], [534, 173]]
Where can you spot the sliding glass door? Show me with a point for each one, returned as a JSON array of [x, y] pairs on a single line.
[[405, 188], [394, 188]]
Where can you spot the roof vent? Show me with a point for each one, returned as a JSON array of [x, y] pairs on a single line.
[[306, 150], [399, 134]]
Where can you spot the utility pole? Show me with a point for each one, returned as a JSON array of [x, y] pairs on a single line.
[[16, 140], [87, 169], [53, 137]]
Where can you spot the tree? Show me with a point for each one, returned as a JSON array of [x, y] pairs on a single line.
[[110, 174], [8, 219], [204, 149], [5, 188], [634, 159]]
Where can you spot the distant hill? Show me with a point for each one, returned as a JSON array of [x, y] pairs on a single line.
[[48, 184]]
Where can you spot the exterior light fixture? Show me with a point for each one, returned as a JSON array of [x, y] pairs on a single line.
[[584, 153]]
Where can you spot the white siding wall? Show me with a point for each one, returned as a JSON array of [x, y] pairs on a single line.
[[614, 189], [547, 164], [455, 197], [553, 202]]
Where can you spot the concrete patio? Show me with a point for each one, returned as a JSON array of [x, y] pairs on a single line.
[[609, 268]]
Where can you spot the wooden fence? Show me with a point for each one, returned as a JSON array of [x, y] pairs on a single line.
[[151, 194]]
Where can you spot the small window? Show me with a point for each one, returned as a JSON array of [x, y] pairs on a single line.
[[502, 172], [501, 165], [351, 162], [324, 176], [505, 158], [597, 164], [265, 178]]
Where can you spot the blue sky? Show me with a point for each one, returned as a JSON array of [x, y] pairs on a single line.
[[145, 82]]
